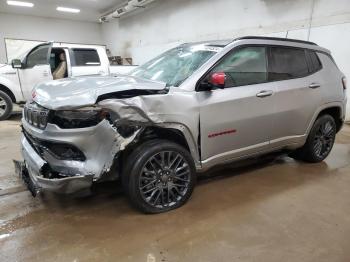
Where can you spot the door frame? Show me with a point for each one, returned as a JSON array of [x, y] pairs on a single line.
[[250, 150], [21, 71], [197, 87], [32, 50]]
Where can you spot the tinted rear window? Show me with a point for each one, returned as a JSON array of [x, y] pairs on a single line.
[[86, 57], [287, 63]]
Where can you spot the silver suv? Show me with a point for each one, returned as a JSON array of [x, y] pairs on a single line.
[[189, 109]]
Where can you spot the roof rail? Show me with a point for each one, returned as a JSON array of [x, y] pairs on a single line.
[[276, 39]]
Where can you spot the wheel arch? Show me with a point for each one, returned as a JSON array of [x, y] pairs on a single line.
[[336, 113], [175, 133], [7, 91], [171, 134], [335, 109]]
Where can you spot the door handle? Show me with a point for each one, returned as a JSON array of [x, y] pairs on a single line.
[[314, 85], [264, 93]]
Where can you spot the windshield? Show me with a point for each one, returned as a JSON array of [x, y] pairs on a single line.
[[176, 65]]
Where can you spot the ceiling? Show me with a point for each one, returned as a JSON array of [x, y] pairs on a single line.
[[90, 10]]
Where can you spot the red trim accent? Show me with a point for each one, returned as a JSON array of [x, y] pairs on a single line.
[[231, 131]]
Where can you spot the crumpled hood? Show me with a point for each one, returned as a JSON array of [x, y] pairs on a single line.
[[78, 92]]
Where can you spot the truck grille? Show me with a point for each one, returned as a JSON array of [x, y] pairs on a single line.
[[36, 115]]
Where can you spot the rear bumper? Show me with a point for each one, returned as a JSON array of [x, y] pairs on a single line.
[[32, 173]]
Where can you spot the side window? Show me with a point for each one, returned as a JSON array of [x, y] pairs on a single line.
[[287, 63], [316, 63], [245, 66], [38, 56], [52, 61], [86, 57]]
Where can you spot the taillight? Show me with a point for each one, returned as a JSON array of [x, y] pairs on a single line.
[[344, 82]]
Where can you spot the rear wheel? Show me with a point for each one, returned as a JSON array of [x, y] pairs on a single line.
[[319, 142], [161, 176], [5, 106]]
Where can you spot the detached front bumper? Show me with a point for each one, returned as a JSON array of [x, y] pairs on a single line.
[[32, 172]]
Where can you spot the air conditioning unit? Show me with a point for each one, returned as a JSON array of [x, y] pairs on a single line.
[[130, 7], [127, 8], [137, 2], [119, 12]]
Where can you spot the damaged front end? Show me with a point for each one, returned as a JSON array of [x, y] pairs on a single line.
[[71, 149], [76, 130]]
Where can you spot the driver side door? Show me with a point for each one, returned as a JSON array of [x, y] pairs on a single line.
[[36, 69], [237, 119]]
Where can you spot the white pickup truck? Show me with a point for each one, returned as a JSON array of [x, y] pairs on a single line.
[[50, 61]]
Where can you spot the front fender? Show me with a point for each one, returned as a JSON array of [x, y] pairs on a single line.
[[191, 141], [11, 82], [160, 111]]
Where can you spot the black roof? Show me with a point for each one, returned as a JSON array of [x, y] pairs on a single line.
[[276, 39]]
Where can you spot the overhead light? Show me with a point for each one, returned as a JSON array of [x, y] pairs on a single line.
[[69, 10], [19, 3]]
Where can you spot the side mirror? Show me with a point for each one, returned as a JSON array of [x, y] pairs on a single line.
[[214, 80], [217, 79], [16, 63]]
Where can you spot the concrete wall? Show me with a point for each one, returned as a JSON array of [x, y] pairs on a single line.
[[167, 23], [46, 29]]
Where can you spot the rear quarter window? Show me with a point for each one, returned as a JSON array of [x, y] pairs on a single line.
[[85, 57], [315, 62]]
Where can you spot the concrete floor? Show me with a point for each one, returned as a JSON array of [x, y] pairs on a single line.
[[271, 211]]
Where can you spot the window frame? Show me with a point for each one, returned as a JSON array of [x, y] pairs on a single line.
[[33, 50], [268, 57], [235, 49], [73, 61], [307, 58]]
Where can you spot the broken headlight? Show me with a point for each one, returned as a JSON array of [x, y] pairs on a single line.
[[79, 118]]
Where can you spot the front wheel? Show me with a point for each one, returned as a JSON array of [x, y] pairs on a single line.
[[5, 106], [319, 142], [162, 176]]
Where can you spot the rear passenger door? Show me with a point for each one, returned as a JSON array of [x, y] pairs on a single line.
[[295, 74], [86, 61]]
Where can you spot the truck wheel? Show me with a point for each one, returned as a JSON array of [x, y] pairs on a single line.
[[319, 142], [5, 106], [161, 176]]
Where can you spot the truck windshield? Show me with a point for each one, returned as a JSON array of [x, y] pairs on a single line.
[[176, 65]]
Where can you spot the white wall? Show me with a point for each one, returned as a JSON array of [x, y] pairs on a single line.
[[46, 29], [166, 23], [175, 21]]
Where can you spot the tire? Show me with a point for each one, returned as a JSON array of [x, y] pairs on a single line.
[[160, 176], [5, 106], [319, 142]]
